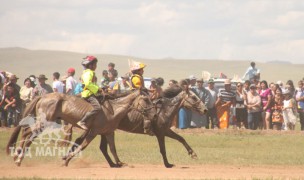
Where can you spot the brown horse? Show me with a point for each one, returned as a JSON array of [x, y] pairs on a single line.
[[71, 109], [167, 108]]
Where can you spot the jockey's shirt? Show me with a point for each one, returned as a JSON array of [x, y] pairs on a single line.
[[90, 86], [137, 81]]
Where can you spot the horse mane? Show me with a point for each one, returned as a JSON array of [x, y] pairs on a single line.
[[171, 92]]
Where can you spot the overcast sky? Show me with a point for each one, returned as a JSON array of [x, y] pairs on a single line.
[[261, 30]]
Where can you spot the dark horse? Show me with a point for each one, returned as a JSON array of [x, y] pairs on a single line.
[[167, 107], [71, 109]]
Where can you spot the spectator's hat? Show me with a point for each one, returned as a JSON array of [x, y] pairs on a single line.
[[125, 77], [211, 81], [252, 86], [286, 92], [13, 77], [280, 83], [42, 76], [71, 70], [153, 80], [227, 81], [192, 77], [200, 80], [111, 64]]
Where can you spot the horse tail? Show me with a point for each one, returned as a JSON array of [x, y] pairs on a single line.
[[13, 139], [31, 106]]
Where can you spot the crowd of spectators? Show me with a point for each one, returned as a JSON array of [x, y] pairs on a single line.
[[253, 104]]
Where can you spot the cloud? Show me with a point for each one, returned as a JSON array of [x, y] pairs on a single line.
[[231, 29]]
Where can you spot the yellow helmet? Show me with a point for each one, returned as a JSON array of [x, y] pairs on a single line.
[[136, 65]]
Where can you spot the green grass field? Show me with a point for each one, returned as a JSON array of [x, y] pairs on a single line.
[[230, 147]]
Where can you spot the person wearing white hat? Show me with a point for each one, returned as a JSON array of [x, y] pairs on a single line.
[[137, 82], [137, 69]]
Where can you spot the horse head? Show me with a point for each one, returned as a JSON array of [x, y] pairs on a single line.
[[192, 101]]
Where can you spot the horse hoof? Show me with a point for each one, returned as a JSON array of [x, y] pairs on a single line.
[[122, 164], [18, 163], [169, 165], [64, 164], [194, 156]]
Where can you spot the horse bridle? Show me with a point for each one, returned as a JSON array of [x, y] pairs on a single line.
[[195, 104], [143, 110]]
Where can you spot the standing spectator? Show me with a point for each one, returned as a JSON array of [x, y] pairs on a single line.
[[281, 85], [155, 90], [289, 86], [253, 104], [33, 80], [192, 82], [78, 88], [113, 82], [105, 80], [300, 101], [125, 85], [184, 117], [289, 111], [70, 82], [211, 113], [172, 83], [277, 115], [13, 80], [265, 94], [204, 95], [252, 73], [111, 69], [226, 99], [58, 86], [274, 88], [26, 93], [12, 99], [240, 109], [41, 88]]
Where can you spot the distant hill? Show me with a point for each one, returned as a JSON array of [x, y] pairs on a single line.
[[24, 62], [279, 62]]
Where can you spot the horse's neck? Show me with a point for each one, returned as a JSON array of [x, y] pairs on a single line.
[[126, 100], [175, 102]]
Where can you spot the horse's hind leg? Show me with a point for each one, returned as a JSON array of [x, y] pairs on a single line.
[[177, 137], [26, 133], [88, 138], [162, 147]]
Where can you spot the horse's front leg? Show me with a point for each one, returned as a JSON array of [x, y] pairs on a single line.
[[111, 141], [77, 142], [177, 137], [162, 147]]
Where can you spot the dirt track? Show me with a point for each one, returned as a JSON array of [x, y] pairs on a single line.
[[82, 169]]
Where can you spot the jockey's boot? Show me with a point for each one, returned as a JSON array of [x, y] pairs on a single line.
[[147, 127], [82, 122]]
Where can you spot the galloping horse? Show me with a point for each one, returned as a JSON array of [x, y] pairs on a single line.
[[71, 109], [168, 106]]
